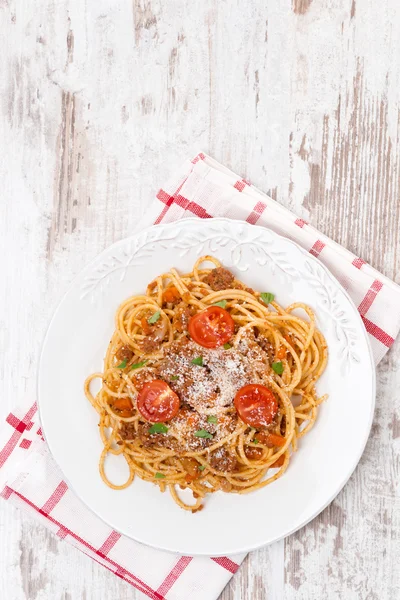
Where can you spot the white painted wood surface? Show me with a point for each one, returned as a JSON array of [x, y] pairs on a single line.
[[100, 100]]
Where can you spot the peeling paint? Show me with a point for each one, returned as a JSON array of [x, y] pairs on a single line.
[[100, 103], [300, 7]]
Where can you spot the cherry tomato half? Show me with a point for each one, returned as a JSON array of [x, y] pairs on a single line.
[[211, 327], [156, 402], [256, 405]]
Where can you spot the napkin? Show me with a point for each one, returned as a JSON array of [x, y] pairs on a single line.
[[29, 477]]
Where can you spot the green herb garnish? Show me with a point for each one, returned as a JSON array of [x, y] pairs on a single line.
[[267, 297], [198, 361], [255, 441], [158, 428], [227, 346], [212, 419], [174, 377], [277, 367], [154, 318], [221, 303], [159, 475], [122, 365], [202, 433], [201, 467], [139, 364]]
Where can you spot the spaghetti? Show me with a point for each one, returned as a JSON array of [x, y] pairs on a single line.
[[207, 384]]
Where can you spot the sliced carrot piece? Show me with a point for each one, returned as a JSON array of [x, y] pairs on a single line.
[[189, 478], [270, 439], [145, 326], [125, 413], [281, 354], [278, 463], [191, 420], [171, 295], [122, 404], [276, 440], [289, 340]]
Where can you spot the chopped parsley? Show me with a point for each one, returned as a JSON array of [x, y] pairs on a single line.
[[122, 365], [221, 303], [255, 441], [159, 475], [202, 433], [227, 346], [139, 364], [174, 377], [201, 467], [212, 419], [198, 361], [267, 297], [154, 318], [277, 367], [158, 428]]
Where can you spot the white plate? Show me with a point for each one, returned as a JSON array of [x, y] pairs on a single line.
[[75, 345]]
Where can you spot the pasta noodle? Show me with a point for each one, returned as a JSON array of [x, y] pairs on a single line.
[[206, 445]]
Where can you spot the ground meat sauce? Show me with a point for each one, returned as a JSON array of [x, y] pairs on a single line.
[[149, 344], [219, 279], [205, 392], [150, 440], [222, 460], [264, 343], [128, 431], [263, 438], [183, 313], [253, 453], [124, 353], [154, 338], [143, 376], [211, 387], [239, 286]]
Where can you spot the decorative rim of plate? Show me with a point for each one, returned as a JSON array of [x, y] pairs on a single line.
[[331, 277]]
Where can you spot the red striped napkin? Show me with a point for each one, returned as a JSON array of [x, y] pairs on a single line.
[[30, 479]]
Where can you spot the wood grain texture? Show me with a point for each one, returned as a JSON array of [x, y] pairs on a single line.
[[99, 101]]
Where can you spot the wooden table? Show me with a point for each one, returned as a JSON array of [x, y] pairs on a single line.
[[100, 101]]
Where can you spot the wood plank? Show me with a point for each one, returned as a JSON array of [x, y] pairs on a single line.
[[100, 102]]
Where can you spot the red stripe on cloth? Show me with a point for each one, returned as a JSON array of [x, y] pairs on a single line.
[[109, 544], [173, 575], [227, 563], [17, 424], [370, 297], [13, 441], [200, 156], [168, 201], [377, 332], [256, 213], [62, 533], [317, 248], [358, 263], [196, 209], [184, 203], [25, 444], [135, 580], [161, 215], [164, 197], [300, 222], [54, 498], [240, 185], [6, 492]]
